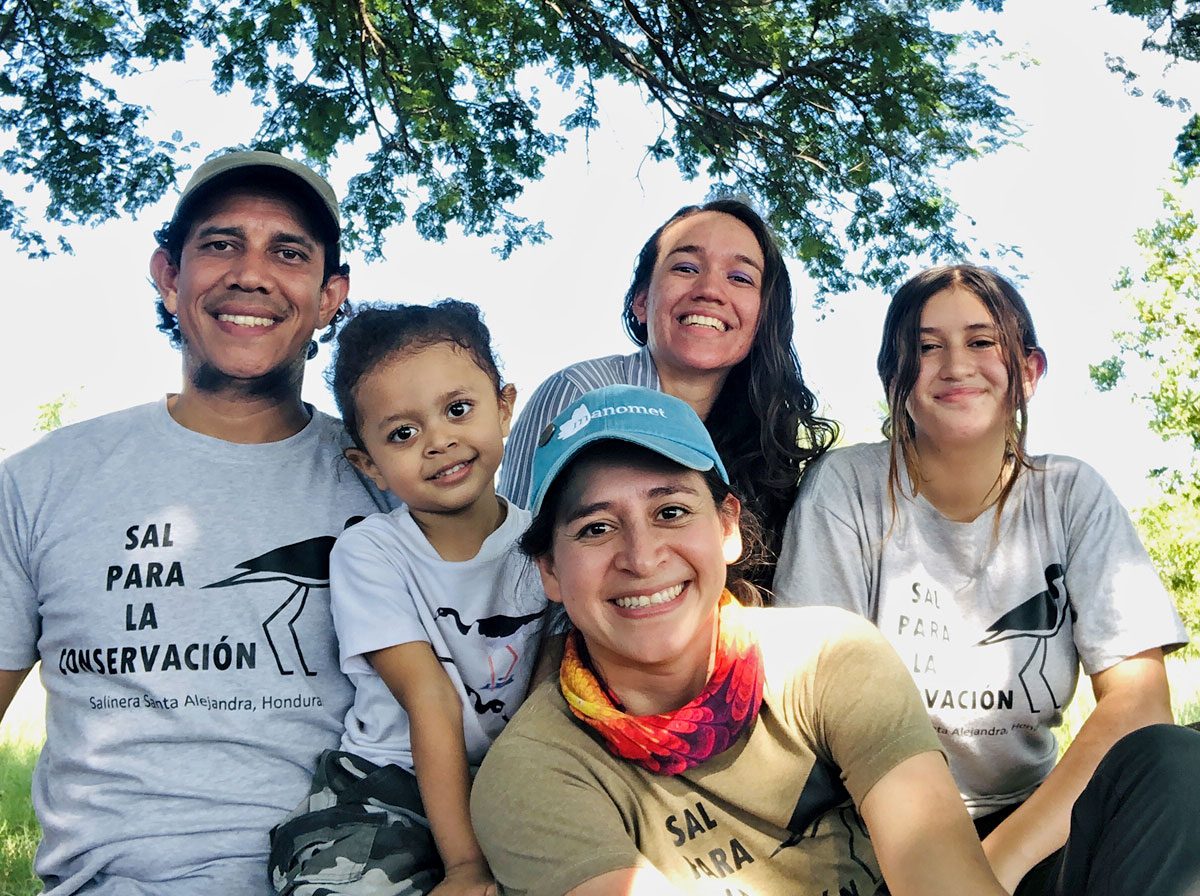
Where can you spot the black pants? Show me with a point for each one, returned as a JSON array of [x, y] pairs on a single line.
[[1135, 829]]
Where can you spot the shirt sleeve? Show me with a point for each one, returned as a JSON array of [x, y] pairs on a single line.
[[867, 712], [18, 597], [547, 400], [544, 822], [825, 559], [1119, 603], [370, 597]]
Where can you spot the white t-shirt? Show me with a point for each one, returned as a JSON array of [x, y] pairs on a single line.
[[483, 618], [992, 625]]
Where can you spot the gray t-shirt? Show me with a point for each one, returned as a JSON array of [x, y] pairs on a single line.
[[176, 589], [992, 624]]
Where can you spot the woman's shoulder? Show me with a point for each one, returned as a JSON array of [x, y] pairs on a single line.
[[858, 468], [1066, 476], [595, 373], [859, 456], [542, 737], [794, 637]]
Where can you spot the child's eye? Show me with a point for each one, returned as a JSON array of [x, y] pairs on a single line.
[[686, 267], [740, 277], [927, 347], [402, 433], [983, 342], [458, 409]]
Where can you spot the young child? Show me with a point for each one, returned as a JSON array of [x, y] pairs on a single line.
[[438, 615], [995, 574]]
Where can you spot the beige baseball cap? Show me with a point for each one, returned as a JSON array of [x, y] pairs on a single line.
[[244, 162]]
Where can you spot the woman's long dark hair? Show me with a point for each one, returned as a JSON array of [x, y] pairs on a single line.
[[764, 421]]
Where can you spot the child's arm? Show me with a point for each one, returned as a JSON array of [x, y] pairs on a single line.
[[417, 680]]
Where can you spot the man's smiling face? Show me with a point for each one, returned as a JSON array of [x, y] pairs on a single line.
[[248, 290]]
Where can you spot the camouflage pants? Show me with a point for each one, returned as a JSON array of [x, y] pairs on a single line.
[[360, 832]]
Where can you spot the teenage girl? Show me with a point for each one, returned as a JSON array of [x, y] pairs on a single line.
[[438, 615], [993, 573]]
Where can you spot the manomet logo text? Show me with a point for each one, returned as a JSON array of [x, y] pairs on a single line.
[[581, 416]]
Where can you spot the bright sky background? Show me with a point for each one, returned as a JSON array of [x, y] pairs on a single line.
[[1084, 177]]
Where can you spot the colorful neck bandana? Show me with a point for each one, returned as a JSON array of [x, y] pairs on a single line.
[[673, 742]]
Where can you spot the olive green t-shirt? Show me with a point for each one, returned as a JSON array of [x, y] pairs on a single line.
[[773, 814]]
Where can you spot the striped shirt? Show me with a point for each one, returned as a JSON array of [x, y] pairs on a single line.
[[552, 396]]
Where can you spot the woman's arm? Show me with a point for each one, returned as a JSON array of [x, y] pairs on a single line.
[[417, 680], [1130, 695], [922, 835]]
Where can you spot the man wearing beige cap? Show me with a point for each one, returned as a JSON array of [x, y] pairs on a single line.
[[168, 564]]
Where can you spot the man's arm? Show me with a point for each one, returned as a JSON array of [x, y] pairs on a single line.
[[10, 682], [923, 837], [417, 680], [1130, 695]]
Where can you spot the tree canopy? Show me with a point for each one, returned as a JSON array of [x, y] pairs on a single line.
[[1163, 294], [834, 115], [1174, 32]]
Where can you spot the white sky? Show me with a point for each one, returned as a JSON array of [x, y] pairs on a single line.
[[1085, 176]]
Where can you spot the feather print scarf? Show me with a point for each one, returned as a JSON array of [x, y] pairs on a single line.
[[672, 742]]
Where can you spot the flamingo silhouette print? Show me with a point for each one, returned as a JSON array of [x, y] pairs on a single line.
[[498, 626], [496, 706], [491, 626], [1041, 617], [304, 564], [481, 707]]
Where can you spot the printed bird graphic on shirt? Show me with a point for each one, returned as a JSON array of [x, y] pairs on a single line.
[[1040, 618], [305, 565], [498, 626]]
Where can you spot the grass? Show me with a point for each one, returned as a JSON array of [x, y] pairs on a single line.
[[19, 831]]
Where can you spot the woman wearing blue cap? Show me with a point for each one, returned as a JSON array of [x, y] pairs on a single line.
[[692, 743]]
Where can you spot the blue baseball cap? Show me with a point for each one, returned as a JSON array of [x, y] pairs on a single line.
[[645, 417]]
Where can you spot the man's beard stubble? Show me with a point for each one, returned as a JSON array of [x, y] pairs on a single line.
[[283, 382]]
